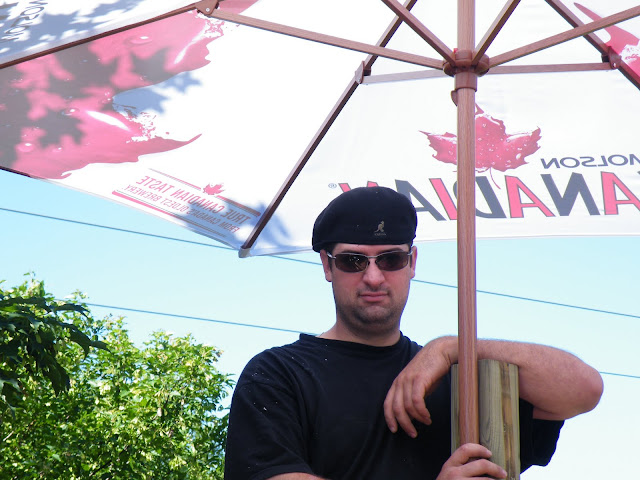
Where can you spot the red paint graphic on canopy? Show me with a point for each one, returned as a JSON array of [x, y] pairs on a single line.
[[58, 113], [621, 42], [213, 189], [494, 147]]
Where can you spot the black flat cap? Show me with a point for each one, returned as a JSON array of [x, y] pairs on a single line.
[[366, 216]]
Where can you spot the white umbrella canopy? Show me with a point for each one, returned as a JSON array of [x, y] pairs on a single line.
[[200, 121], [244, 136]]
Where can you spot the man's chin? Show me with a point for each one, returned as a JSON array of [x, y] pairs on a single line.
[[378, 317]]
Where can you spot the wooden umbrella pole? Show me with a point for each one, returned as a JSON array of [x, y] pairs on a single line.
[[465, 89]]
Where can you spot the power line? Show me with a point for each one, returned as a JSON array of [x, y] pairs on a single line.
[[124, 230], [536, 300], [436, 284], [190, 317], [635, 377], [263, 327]]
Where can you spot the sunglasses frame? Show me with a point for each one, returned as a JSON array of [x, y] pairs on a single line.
[[369, 257]]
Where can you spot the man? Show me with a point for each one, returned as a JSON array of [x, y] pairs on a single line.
[[362, 401]]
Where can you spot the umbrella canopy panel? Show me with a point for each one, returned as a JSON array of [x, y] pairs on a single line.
[[33, 26]]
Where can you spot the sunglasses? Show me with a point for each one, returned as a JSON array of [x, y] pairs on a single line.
[[356, 262]]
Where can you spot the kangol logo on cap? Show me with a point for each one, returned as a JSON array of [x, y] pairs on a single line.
[[380, 231]]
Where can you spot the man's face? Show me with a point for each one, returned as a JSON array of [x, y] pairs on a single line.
[[369, 303]]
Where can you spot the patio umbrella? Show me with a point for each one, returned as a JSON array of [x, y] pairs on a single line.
[[201, 115]]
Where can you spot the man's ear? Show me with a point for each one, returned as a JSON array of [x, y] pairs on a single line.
[[326, 265], [414, 259]]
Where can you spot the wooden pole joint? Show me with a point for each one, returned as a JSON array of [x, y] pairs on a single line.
[[466, 72], [464, 62]]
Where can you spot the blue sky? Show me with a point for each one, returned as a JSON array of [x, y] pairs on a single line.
[[579, 294]]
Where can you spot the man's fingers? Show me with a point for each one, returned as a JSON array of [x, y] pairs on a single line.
[[471, 460], [481, 468], [419, 410], [404, 402], [466, 452], [413, 397], [401, 415], [389, 416]]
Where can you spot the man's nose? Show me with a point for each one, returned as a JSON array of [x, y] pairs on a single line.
[[373, 275]]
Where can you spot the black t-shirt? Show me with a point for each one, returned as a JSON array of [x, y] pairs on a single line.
[[316, 406]]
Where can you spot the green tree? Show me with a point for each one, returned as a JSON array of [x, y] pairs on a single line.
[[150, 412], [34, 329]]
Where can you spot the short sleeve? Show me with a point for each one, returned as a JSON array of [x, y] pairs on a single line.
[[538, 438], [265, 436]]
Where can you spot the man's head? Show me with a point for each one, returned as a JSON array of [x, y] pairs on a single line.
[[364, 237]]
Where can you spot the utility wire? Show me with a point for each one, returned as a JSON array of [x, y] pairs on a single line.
[[190, 317], [536, 300], [264, 327], [286, 330], [203, 244], [95, 225], [636, 377]]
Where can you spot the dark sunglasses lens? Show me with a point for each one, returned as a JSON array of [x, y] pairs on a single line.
[[349, 262], [392, 261], [353, 262]]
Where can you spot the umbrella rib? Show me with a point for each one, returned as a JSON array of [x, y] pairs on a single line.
[[494, 29], [502, 70], [576, 32], [327, 39], [574, 21], [389, 32], [563, 67], [403, 76], [418, 27], [245, 249]]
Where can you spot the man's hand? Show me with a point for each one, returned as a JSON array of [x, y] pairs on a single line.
[[405, 399], [470, 461]]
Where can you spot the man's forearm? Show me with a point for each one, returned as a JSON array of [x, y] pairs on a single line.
[[557, 383]]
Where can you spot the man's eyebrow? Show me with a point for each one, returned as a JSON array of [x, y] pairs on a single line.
[[391, 250]]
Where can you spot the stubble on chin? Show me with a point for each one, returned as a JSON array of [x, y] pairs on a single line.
[[369, 321]]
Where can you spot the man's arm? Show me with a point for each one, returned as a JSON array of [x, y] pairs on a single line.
[[555, 382]]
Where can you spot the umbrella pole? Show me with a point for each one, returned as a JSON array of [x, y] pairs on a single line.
[[465, 89]]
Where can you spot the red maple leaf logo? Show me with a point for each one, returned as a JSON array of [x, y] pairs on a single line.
[[494, 147], [213, 189]]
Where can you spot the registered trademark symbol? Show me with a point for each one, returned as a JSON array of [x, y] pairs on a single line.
[[332, 185]]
